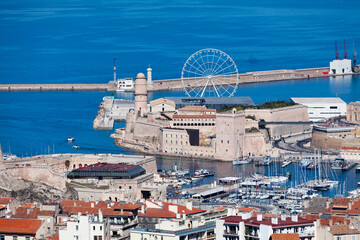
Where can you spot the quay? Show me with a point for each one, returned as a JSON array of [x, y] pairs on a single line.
[[54, 87], [176, 84]]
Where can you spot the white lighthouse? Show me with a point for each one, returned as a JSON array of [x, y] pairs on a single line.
[[149, 78]]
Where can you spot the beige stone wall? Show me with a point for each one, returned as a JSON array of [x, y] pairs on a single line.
[[286, 114], [38, 173], [162, 107], [147, 132], [230, 133], [254, 144], [333, 141]]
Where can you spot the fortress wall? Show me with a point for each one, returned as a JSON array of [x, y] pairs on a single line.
[[285, 114], [254, 144], [38, 173]]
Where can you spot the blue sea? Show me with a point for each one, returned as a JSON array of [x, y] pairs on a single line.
[[44, 41]]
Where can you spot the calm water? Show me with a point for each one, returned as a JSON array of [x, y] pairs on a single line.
[[75, 41]]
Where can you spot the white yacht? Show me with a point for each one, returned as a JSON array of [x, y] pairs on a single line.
[[70, 139]]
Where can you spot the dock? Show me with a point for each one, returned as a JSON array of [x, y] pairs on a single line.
[[177, 83], [111, 111], [286, 163]]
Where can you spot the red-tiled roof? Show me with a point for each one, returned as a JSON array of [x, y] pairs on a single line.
[[2, 207], [355, 208], [46, 212], [334, 220], [108, 167], [245, 209], [19, 226], [342, 230], [285, 236], [341, 202], [6, 200], [350, 148], [164, 211], [23, 212], [254, 222], [194, 116], [312, 217]]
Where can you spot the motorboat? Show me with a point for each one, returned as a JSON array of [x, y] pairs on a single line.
[[76, 147], [70, 139], [241, 161], [266, 161], [339, 164], [305, 162], [203, 173]]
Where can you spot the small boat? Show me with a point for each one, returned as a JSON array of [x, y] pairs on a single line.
[[241, 161], [76, 147], [358, 168], [203, 173], [266, 161], [339, 164], [305, 162], [70, 139]]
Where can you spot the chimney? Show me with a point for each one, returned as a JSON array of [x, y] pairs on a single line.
[[259, 217], [173, 208], [283, 217], [189, 206], [92, 204], [101, 219], [122, 211], [108, 205], [74, 203], [274, 220], [142, 209], [294, 218], [246, 215]]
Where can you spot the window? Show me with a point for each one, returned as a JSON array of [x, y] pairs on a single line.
[[129, 188], [15, 238], [48, 220], [26, 238], [101, 226], [2, 237], [344, 237], [77, 227], [94, 228]]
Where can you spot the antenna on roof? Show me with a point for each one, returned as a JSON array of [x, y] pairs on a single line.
[[336, 52], [345, 53]]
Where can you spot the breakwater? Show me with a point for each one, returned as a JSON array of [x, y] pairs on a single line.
[[177, 84]]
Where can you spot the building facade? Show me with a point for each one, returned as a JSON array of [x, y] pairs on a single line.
[[230, 135], [322, 108], [353, 112]]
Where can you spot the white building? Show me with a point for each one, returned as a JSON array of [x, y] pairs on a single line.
[[176, 229], [322, 108], [340, 66], [125, 84], [86, 227], [162, 105], [259, 228]]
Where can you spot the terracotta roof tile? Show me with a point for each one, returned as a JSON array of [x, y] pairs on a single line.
[[245, 209], [285, 236], [6, 200], [342, 229], [19, 226], [2, 207], [46, 212]]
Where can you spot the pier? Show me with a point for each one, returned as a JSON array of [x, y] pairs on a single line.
[[176, 84]]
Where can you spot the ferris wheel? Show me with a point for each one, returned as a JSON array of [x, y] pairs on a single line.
[[210, 73]]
